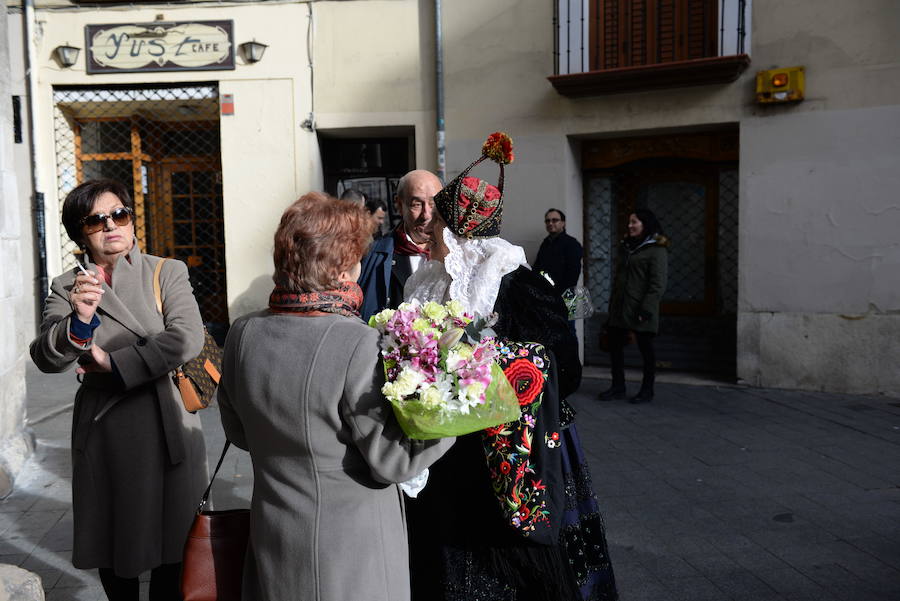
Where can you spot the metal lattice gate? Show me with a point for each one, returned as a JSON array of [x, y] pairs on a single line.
[[163, 143], [697, 205]]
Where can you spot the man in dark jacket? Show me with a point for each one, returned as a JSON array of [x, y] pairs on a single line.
[[560, 254], [393, 258]]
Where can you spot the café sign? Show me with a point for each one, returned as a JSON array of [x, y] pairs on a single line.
[[190, 46]]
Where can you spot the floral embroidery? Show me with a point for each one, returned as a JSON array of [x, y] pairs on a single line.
[[509, 446], [551, 440], [525, 378]]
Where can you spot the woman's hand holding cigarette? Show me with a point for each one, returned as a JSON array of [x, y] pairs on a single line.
[[85, 295]]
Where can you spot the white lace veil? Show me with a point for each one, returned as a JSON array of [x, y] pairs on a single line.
[[470, 274]]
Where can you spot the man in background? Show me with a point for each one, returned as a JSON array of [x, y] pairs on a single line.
[[354, 196], [393, 258], [560, 254], [378, 211]]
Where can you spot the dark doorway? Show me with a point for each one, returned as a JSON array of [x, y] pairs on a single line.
[[695, 196], [372, 164]]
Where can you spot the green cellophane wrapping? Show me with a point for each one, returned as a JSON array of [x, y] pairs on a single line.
[[424, 423]]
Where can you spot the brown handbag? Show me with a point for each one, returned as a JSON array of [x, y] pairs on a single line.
[[197, 379], [213, 561]]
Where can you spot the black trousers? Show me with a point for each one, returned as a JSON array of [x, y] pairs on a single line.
[[617, 338], [165, 584]]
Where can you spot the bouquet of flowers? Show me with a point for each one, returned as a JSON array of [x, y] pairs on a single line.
[[442, 374]]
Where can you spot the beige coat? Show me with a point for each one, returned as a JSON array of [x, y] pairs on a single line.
[[302, 394], [138, 458]]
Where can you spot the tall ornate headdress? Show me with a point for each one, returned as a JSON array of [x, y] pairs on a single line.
[[472, 207]]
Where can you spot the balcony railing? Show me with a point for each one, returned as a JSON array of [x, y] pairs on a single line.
[[604, 46]]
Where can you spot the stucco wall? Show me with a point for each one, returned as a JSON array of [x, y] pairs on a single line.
[[819, 249], [22, 167], [14, 445]]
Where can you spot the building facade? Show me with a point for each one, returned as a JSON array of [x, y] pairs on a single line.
[[782, 215]]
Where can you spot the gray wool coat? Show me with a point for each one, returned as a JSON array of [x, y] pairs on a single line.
[[138, 458], [302, 394]]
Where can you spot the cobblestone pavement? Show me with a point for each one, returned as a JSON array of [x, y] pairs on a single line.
[[709, 493]]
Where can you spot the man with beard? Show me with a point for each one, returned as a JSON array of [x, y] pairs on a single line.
[[392, 259]]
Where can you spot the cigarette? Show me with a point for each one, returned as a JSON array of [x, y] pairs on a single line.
[[81, 267]]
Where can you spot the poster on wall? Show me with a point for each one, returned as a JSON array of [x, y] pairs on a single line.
[[130, 48]]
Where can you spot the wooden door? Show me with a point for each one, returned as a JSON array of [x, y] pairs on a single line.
[[192, 228]]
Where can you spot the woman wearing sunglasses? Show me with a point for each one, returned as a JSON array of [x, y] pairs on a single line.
[[138, 458]]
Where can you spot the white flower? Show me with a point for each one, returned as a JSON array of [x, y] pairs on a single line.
[[431, 397], [410, 306], [420, 324], [468, 396], [389, 390], [434, 311], [474, 392], [455, 308], [379, 320], [438, 394], [408, 381], [458, 356]]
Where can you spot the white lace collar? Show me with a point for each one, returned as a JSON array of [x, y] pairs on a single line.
[[475, 268]]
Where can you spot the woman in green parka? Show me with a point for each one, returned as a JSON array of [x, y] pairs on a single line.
[[634, 305]]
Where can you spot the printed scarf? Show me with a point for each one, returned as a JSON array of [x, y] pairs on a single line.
[[404, 246], [344, 300]]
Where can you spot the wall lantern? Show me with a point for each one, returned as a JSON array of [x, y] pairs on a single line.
[[780, 85], [253, 51], [66, 55]]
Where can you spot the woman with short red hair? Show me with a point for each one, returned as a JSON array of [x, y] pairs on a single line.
[[301, 391]]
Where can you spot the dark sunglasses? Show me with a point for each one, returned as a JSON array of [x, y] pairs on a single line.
[[551, 220], [96, 222]]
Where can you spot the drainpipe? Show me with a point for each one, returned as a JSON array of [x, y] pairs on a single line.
[[37, 207], [439, 92]]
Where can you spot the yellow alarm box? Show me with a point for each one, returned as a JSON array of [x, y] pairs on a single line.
[[780, 85]]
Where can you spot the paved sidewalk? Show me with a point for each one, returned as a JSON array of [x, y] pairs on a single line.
[[709, 493]]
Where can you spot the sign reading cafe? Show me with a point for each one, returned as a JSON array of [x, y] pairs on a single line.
[[192, 46]]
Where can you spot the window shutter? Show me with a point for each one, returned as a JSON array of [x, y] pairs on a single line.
[[665, 33], [637, 32], [604, 34], [629, 33], [700, 18]]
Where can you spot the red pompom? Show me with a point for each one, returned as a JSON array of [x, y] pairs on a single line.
[[499, 148]]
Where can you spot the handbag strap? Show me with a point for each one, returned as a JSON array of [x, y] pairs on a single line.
[[157, 289], [157, 294], [215, 473]]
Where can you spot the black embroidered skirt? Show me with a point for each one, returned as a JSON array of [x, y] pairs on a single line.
[[583, 534]]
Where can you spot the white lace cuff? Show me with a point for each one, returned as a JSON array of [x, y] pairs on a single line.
[[415, 485]]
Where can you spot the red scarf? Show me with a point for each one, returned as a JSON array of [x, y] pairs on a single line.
[[404, 246], [344, 300]]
